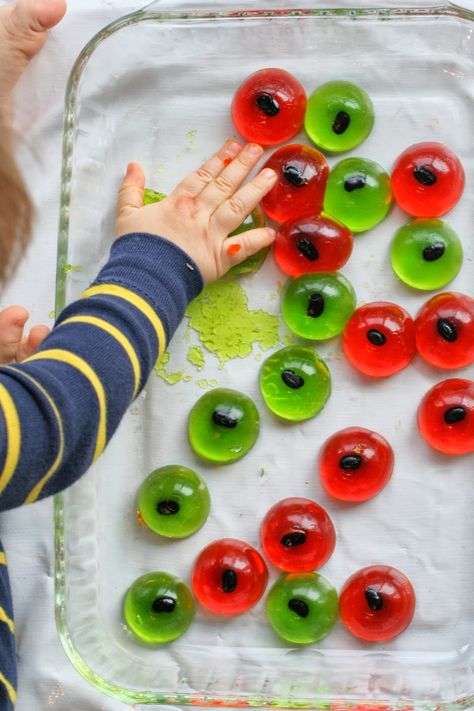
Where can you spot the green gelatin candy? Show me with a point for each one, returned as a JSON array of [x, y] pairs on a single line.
[[318, 306], [358, 194], [295, 383], [426, 254], [253, 263], [302, 607], [173, 501], [339, 116], [150, 196], [158, 608], [223, 425]]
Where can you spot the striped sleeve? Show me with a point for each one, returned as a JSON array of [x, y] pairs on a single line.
[[7, 641], [60, 407]]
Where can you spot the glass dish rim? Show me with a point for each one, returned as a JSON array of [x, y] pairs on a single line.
[[150, 12]]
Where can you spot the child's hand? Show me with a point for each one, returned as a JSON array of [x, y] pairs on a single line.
[[14, 345], [201, 212]]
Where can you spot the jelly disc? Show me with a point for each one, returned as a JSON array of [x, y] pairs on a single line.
[[318, 306], [295, 383], [297, 535], [173, 501], [158, 608], [255, 261], [355, 464], [444, 330], [269, 106], [302, 175], [312, 243], [358, 194], [302, 608], [446, 416], [426, 254], [427, 179], [339, 116], [377, 603], [229, 577], [379, 339]]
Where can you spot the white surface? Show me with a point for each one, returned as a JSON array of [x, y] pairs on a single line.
[[47, 680]]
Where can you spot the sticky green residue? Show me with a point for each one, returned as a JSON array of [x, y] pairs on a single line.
[[150, 196], [160, 168], [258, 356], [204, 383], [187, 378], [196, 357], [168, 377], [71, 268], [191, 138], [52, 314], [225, 324]]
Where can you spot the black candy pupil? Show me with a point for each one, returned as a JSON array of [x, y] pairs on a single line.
[[350, 462], [292, 539], [167, 508], [376, 337], [433, 251], [164, 604], [354, 182], [315, 305], [292, 379], [224, 418], [454, 414], [268, 104], [294, 175], [374, 599], [307, 249], [229, 580], [447, 330], [424, 175], [341, 122], [298, 606]]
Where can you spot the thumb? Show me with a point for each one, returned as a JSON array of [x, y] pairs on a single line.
[[130, 195], [238, 248]]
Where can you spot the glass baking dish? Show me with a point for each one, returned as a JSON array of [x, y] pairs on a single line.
[[155, 87]]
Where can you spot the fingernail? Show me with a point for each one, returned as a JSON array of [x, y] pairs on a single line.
[[268, 174], [254, 149], [232, 147], [271, 232], [130, 168]]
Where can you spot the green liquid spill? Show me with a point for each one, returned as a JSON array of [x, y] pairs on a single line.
[[170, 378], [225, 324], [196, 357], [204, 383]]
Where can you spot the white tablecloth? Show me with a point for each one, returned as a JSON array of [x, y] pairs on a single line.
[[47, 679]]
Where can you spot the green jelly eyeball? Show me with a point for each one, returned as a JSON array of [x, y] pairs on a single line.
[[223, 425], [158, 608], [254, 262], [173, 501], [358, 193], [150, 196], [426, 253], [302, 607], [295, 383], [318, 306], [339, 116]]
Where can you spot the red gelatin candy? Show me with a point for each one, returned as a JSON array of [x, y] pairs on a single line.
[[427, 179], [379, 339], [444, 330], [446, 416], [297, 535], [269, 107], [355, 464], [377, 603], [229, 577], [302, 176], [312, 243]]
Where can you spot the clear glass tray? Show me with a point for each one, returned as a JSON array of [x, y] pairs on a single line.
[[155, 87]]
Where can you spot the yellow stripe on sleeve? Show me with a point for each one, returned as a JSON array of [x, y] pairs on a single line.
[[8, 621], [135, 300], [119, 336], [35, 492], [10, 690], [3, 558], [85, 369], [12, 424]]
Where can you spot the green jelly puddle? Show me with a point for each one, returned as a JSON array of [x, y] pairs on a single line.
[[225, 324], [168, 377], [196, 357]]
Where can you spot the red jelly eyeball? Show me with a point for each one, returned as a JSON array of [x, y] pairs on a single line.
[[444, 330], [297, 535], [379, 339], [355, 464], [229, 577], [312, 243], [302, 176], [427, 179], [446, 416], [269, 107], [377, 603]]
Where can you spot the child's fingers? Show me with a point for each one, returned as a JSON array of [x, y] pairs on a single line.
[[32, 342], [236, 249], [12, 323], [233, 211], [130, 195], [194, 183], [225, 185]]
